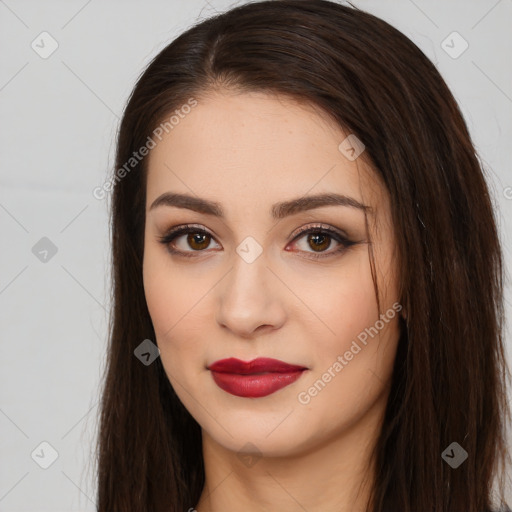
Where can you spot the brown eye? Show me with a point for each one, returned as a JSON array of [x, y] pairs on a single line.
[[319, 241], [198, 241]]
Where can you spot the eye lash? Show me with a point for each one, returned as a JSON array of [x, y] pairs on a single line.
[[342, 239], [173, 233]]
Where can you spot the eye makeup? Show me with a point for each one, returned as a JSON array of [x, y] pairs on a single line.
[[318, 234]]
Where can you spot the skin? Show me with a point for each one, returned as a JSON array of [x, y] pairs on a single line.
[[248, 151]]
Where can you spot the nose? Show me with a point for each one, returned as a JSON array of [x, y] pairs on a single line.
[[250, 299]]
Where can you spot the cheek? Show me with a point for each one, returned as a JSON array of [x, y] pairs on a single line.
[[160, 295], [169, 295], [175, 303], [353, 359], [350, 375], [345, 303]]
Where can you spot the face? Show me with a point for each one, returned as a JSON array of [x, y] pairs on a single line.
[[259, 275]]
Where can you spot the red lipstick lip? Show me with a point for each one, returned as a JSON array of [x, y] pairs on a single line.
[[254, 379], [259, 365]]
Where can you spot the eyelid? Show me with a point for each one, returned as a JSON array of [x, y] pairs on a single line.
[[185, 227], [340, 237], [175, 232], [293, 235], [320, 227]]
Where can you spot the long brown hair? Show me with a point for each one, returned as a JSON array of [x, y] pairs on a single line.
[[450, 376]]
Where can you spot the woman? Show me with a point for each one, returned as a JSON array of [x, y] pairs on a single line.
[[301, 226]]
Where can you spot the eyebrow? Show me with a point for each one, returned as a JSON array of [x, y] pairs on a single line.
[[278, 210]]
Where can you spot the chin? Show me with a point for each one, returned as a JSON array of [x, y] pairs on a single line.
[[253, 438]]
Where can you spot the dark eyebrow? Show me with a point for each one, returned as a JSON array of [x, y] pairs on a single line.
[[278, 211]]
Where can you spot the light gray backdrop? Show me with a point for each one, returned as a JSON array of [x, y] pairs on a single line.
[[66, 70]]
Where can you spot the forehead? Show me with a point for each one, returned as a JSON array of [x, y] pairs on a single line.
[[249, 149]]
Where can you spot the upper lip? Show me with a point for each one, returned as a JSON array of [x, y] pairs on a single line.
[[261, 364]]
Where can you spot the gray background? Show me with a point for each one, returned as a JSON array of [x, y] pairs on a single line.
[[59, 119]]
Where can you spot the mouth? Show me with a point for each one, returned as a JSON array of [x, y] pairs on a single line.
[[253, 379]]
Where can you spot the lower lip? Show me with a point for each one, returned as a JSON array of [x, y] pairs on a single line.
[[253, 385]]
